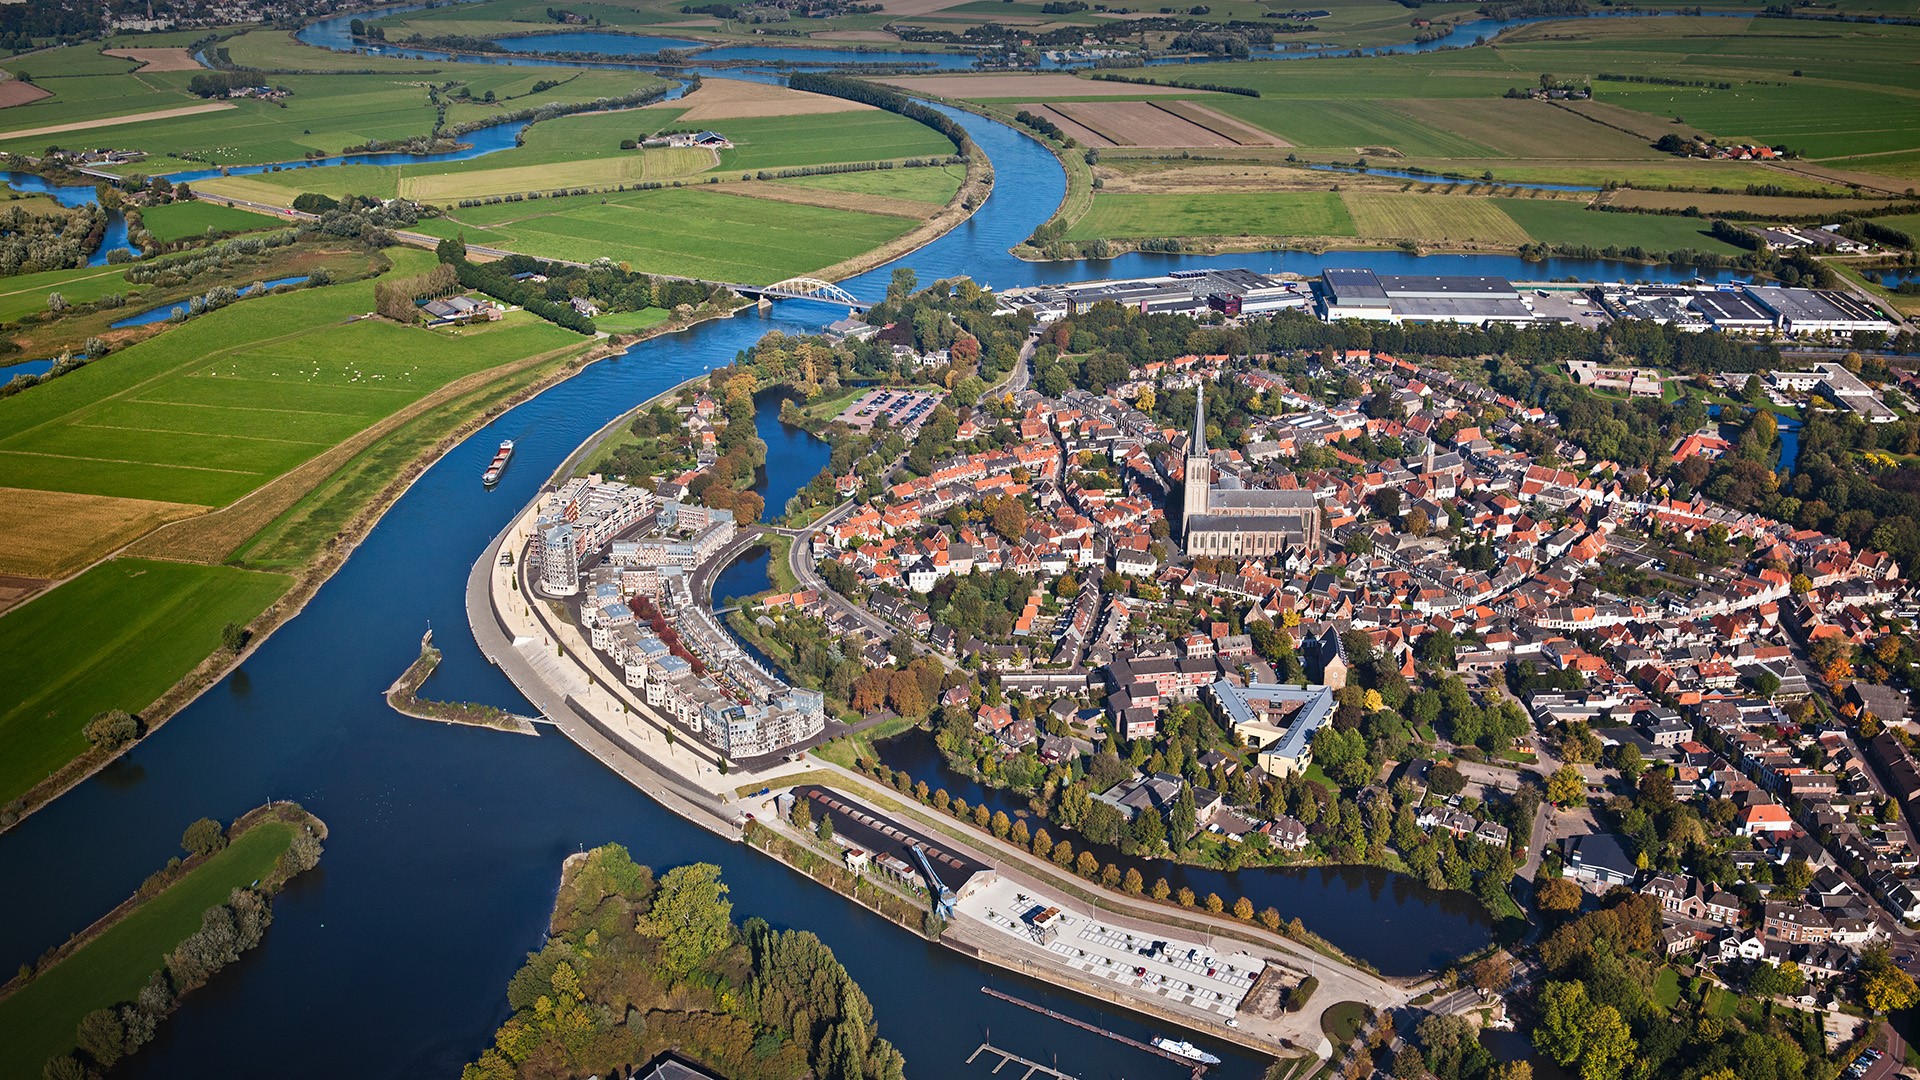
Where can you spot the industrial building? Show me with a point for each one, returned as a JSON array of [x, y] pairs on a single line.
[[1398, 298], [1745, 309], [1186, 292]]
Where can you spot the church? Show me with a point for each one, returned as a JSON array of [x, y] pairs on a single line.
[[1231, 521]]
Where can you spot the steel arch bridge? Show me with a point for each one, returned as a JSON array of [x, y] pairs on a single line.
[[806, 288]]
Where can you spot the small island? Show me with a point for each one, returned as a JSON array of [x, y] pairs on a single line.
[[635, 968], [98, 998]]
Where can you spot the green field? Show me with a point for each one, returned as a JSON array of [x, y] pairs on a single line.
[[930, 185], [211, 409], [1282, 213], [116, 637], [26, 294], [692, 232], [776, 142], [628, 322], [188, 220], [1560, 221], [40, 1018], [1433, 218]]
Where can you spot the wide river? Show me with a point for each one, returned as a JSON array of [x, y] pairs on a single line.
[[393, 958]]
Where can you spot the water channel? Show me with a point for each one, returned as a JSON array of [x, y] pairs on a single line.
[[391, 960]]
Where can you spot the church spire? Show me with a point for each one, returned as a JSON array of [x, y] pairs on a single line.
[[1197, 442]]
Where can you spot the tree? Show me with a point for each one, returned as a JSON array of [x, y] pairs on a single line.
[[233, 637], [691, 915], [825, 829], [1133, 884], [1243, 909], [1782, 981], [203, 837], [1566, 786], [102, 1037], [1445, 781], [1492, 973], [1885, 987], [1558, 894], [1561, 1033], [56, 303], [1610, 1047], [112, 729]]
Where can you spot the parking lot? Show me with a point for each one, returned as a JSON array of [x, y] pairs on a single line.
[[905, 410], [1187, 973]]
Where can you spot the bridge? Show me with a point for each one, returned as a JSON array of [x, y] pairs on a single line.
[[803, 288]]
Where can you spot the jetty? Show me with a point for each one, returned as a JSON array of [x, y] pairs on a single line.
[[1009, 1058], [1199, 1069]]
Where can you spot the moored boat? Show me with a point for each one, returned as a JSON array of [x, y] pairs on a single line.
[[1186, 1050]]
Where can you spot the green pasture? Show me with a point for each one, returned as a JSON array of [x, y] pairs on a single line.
[[42, 1016], [1560, 221], [929, 185], [775, 142], [116, 637], [189, 220], [212, 409], [1282, 213], [26, 294], [629, 322], [695, 231]]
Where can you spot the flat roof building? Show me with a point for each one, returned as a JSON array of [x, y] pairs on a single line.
[[1472, 300]]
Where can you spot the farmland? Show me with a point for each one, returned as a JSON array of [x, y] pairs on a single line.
[[1442, 219], [324, 114], [113, 967], [738, 239], [1292, 213], [210, 410], [188, 220], [928, 185], [1553, 221], [116, 637]]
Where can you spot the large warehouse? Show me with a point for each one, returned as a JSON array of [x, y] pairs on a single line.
[[1397, 298]]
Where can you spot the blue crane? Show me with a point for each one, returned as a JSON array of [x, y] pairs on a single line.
[[942, 896]]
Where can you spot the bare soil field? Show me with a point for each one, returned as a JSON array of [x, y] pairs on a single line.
[[1142, 123], [1072, 127], [1738, 204], [89, 527], [833, 200], [15, 589], [729, 99], [115, 121], [14, 92], [157, 59], [1239, 131], [1028, 87]]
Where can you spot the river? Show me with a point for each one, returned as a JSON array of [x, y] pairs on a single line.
[[392, 959]]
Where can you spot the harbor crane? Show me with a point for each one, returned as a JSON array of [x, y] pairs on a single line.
[[942, 896]]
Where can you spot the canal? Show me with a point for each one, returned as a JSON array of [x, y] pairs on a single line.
[[392, 959]]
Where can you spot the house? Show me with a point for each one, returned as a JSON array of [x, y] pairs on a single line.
[[1600, 859], [1693, 899], [1763, 818]]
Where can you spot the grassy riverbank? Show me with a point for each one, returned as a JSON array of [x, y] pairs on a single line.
[[118, 955]]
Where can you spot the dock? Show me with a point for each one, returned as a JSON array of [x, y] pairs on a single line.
[[1199, 1069], [1009, 1058]]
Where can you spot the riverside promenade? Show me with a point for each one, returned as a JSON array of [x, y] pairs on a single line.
[[554, 667]]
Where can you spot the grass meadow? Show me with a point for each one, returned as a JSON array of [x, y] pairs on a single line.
[[694, 232], [191, 220], [116, 637], [1432, 218], [929, 185], [211, 409], [1560, 221], [1283, 213], [43, 1014]]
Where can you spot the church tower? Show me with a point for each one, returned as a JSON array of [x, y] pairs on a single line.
[[1199, 469]]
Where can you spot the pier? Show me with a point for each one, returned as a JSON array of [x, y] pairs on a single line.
[[1007, 1058], [1199, 1069]]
